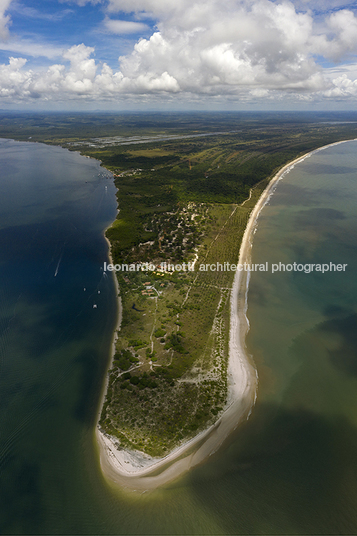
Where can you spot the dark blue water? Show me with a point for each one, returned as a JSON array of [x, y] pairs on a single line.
[[54, 346]]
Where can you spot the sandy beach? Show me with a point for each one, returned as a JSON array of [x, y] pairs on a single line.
[[117, 328], [137, 471]]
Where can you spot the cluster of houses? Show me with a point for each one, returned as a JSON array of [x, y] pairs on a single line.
[[149, 291]]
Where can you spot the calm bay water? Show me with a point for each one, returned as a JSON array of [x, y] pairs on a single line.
[[292, 468]]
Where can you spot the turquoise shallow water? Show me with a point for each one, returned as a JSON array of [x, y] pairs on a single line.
[[291, 469], [303, 337]]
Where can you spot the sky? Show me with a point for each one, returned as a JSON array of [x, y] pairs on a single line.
[[118, 55]]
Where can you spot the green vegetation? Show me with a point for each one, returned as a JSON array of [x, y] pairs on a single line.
[[124, 360], [180, 200]]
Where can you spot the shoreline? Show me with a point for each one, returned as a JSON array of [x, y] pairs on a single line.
[[137, 471], [116, 329]]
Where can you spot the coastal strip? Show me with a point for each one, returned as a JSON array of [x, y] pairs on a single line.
[[138, 471], [117, 327]]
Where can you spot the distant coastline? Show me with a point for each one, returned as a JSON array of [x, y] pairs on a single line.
[[136, 470]]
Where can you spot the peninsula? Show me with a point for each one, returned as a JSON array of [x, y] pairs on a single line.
[[134, 469]]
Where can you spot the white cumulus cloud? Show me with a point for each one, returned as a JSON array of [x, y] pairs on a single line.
[[4, 19], [244, 49], [125, 26]]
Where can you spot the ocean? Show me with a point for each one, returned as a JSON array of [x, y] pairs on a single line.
[[290, 469]]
